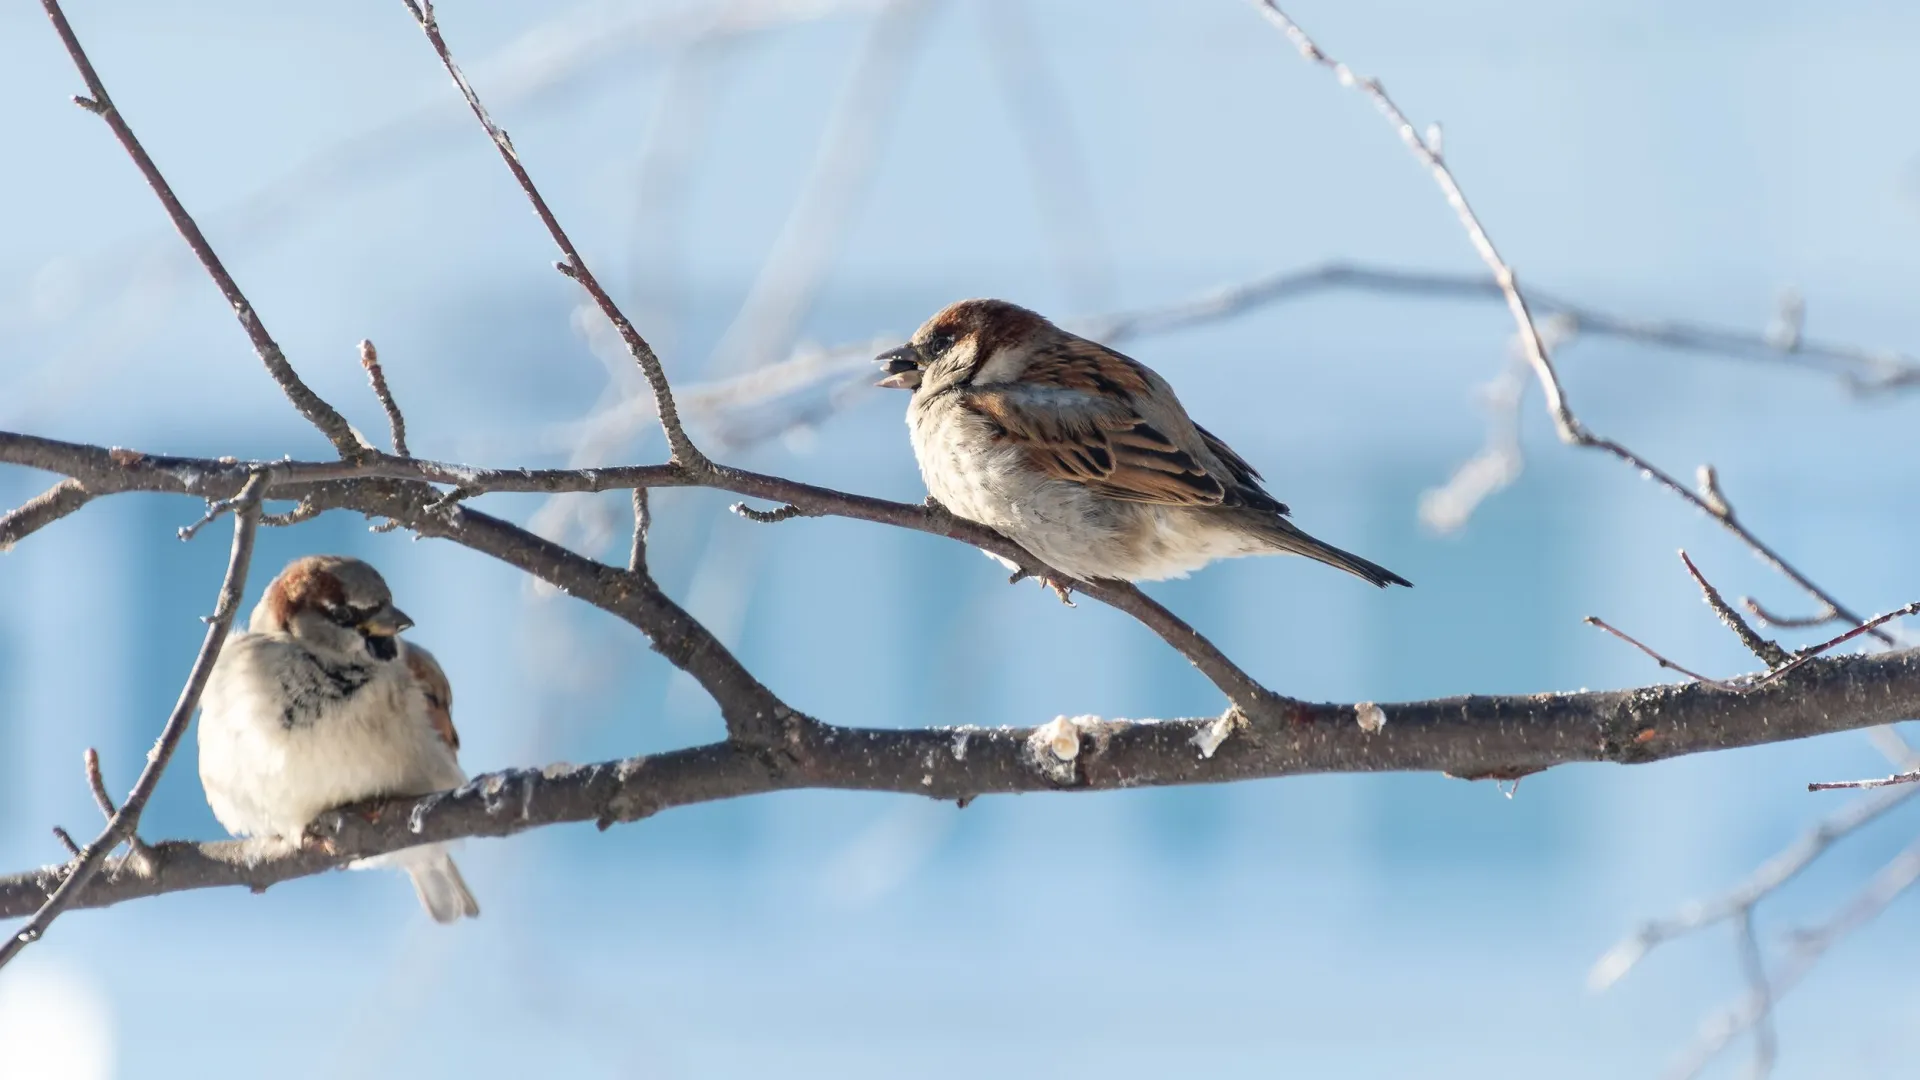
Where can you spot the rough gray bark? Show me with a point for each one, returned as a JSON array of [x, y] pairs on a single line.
[[1475, 736]]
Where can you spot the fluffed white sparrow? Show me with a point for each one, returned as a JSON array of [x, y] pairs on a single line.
[[320, 704], [1081, 455]]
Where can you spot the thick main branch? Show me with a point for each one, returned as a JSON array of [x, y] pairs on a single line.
[[1479, 736]]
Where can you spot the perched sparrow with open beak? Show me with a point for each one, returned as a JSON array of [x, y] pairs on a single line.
[[321, 704], [1081, 455]]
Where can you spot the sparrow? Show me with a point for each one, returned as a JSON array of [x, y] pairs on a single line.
[[320, 703], [1081, 455]]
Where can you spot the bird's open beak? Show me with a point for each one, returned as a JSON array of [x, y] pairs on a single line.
[[386, 622], [902, 366]]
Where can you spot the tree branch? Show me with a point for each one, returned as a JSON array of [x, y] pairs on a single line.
[[1572, 431], [320, 414], [1464, 736], [68, 882], [572, 265], [42, 510], [344, 485]]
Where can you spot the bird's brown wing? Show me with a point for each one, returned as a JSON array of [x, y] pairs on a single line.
[[438, 692], [1074, 412]]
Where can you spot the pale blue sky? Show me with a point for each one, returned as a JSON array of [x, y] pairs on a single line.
[[1655, 159]]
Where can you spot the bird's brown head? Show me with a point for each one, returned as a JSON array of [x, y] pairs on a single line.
[[335, 604], [954, 345]]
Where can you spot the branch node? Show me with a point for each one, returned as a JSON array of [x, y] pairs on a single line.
[[1769, 652], [97, 784], [89, 104]]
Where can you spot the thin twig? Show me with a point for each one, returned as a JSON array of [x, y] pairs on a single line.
[[1787, 622], [642, 522], [1769, 652], [66, 841], [1895, 878], [42, 510], [1896, 780], [126, 470], [97, 784], [1747, 683], [1766, 1042], [397, 423], [125, 822], [1806, 654], [572, 265], [1765, 880], [1569, 426], [1718, 684], [320, 414], [834, 192], [215, 508], [1039, 113]]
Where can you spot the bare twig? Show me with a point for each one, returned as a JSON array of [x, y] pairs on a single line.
[[1808, 947], [320, 414], [66, 841], [123, 824], [1787, 622], [377, 376], [642, 522], [1770, 653], [1773, 675], [1806, 654], [815, 382], [1062, 183], [103, 472], [1596, 621], [97, 784], [1569, 426], [1766, 1042], [572, 265], [42, 510], [790, 277], [1865, 370], [1446, 508], [1766, 880], [1896, 780]]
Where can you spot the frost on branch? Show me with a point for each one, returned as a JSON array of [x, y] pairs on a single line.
[[1209, 738]]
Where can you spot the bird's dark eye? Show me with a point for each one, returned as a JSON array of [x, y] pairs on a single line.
[[339, 613], [937, 345]]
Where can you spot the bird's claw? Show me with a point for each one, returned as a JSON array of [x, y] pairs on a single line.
[[1064, 592]]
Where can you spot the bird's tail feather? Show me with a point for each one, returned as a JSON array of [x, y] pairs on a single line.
[[1285, 536], [442, 891], [436, 880]]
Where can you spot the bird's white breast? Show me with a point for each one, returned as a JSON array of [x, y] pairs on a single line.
[[278, 745]]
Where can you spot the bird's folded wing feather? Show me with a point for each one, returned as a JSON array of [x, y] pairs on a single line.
[[437, 690], [1074, 413]]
